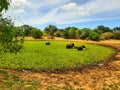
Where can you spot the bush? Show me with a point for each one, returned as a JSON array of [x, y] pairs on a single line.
[[37, 34], [66, 34], [58, 33], [78, 33], [85, 33], [94, 36], [106, 35], [116, 35]]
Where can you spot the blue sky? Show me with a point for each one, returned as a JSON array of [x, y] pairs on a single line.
[[64, 13]]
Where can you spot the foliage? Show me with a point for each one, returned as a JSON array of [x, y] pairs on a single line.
[[116, 29], [39, 57], [116, 35], [50, 30], [8, 37], [102, 29], [106, 36], [85, 33], [66, 34], [27, 30], [59, 33], [94, 36], [4, 5], [78, 33], [36, 33], [18, 31], [72, 32]]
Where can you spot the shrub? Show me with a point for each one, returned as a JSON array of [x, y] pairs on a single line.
[[85, 33], [116, 35], [94, 36], [106, 35], [78, 33], [58, 33], [66, 34], [36, 33]]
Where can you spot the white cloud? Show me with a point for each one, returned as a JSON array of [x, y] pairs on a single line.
[[16, 4], [62, 11], [17, 7], [74, 8], [20, 11], [70, 7], [98, 6]]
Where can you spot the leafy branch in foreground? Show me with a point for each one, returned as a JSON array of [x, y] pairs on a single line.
[[9, 41]]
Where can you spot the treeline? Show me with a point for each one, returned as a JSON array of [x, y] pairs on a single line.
[[51, 31], [99, 33]]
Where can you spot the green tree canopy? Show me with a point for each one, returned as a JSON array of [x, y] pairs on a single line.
[[9, 41], [85, 33], [94, 36], [102, 29], [116, 29], [4, 5], [50, 30], [36, 33], [27, 30]]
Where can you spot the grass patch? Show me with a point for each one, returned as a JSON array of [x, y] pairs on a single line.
[[40, 57]]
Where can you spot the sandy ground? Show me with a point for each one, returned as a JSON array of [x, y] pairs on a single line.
[[90, 78]]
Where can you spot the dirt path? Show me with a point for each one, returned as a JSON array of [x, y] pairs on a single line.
[[89, 78]]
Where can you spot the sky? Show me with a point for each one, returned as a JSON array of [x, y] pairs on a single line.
[[65, 13]]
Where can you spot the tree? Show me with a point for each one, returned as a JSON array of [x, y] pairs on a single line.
[[66, 34], [72, 32], [4, 5], [102, 29], [50, 30], [8, 38], [116, 35], [116, 29], [36, 33], [94, 36], [59, 33], [85, 33], [78, 33], [27, 30], [106, 36]]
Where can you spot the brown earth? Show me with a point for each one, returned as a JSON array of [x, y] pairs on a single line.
[[89, 78]]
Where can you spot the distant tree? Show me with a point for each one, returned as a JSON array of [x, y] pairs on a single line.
[[27, 30], [78, 33], [36, 33], [116, 29], [85, 33], [59, 33], [50, 30], [102, 29], [106, 36], [116, 35], [66, 34], [72, 32], [94, 36]]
